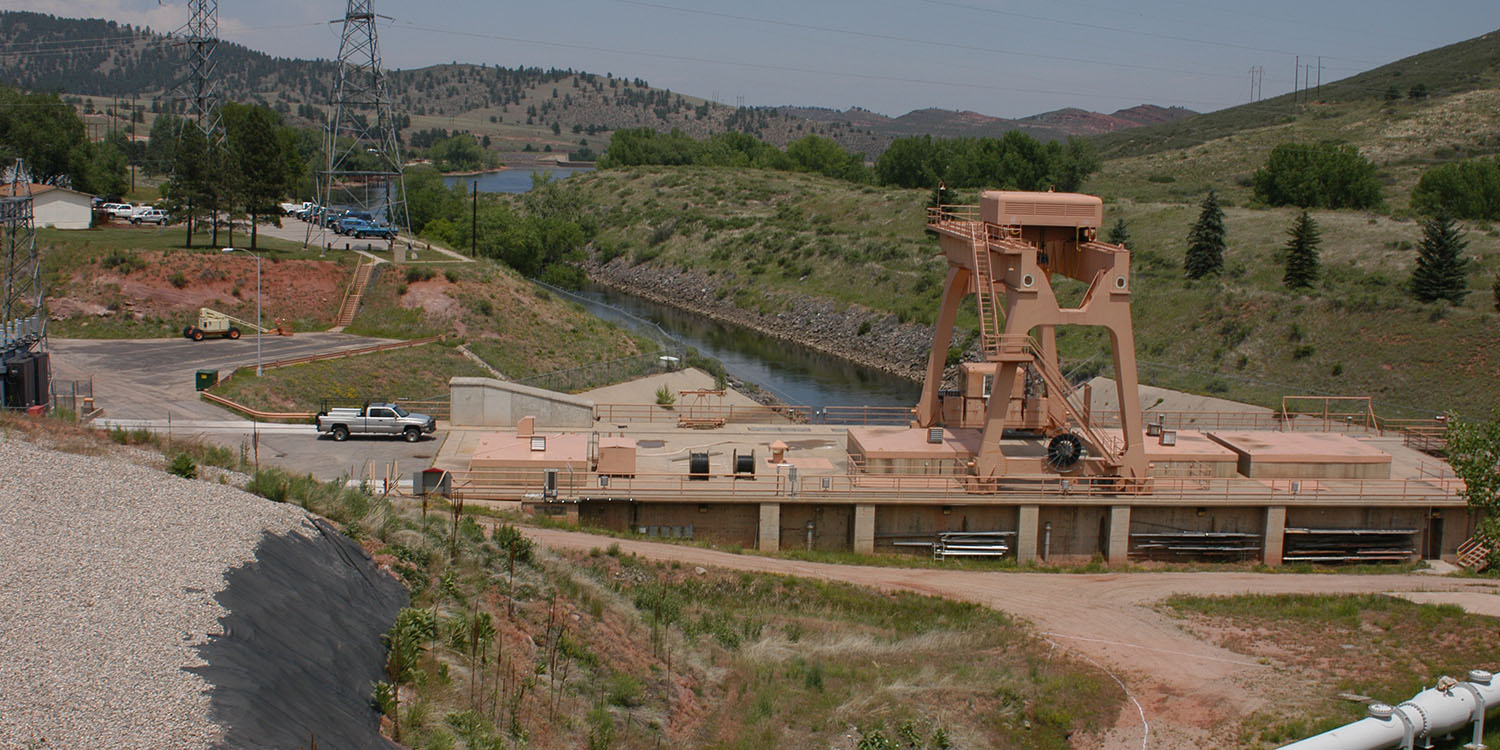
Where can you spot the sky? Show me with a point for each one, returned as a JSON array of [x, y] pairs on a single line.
[[1005, 59]]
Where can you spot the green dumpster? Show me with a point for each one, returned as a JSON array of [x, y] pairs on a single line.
[[207, 379]]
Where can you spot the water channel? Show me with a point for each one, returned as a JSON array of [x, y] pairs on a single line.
[[511, 180], [795, 374]]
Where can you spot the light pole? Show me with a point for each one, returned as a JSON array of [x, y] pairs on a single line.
[[259, 329]]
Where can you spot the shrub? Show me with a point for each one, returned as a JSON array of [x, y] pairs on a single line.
[[183, 466], [451, 275], [418, 273], [1317, 176], [178, 280], [122, 262], [1464, 190], [664, 396]]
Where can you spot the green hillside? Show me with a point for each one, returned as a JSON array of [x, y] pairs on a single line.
[[764, 240], [1453, 69]]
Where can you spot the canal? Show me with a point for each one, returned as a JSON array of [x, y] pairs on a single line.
[[796, 374]]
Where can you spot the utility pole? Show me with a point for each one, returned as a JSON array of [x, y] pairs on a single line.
[[1320, 77], [1296, 73], [474, 226]]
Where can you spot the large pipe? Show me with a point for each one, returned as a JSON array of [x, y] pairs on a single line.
[[1433, 713]]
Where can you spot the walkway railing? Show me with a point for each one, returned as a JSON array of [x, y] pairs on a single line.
[[530, 485]]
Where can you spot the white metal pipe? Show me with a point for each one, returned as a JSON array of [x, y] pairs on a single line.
[[1452, 707]]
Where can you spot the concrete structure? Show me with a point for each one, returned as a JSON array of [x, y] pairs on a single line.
[[1029, 471], [486, 402], [1307, 455], [61, 208]]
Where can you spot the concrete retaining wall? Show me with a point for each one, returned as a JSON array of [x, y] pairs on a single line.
[[486, 402]]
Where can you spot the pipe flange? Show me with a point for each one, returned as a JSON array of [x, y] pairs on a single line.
[[1383, 711], [1480, 676], [1419, 731]]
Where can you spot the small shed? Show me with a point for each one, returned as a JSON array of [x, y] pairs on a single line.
[[58, 207]]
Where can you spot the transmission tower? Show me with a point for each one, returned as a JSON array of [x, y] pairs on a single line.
[[200, 36], [24, 372], [363, 154]]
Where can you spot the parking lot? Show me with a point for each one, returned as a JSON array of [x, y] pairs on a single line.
[[150, 383]]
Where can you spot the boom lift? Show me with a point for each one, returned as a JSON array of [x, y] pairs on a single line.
[[1004, 252], [214, 323]]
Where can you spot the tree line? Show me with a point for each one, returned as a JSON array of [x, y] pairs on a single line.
[[1015, 161]]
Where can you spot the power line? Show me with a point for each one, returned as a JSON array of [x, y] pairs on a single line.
[[787, 68], [911, 40], [1121, 30]]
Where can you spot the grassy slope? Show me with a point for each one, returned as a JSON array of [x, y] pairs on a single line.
[[1378, 646], [769, 236], [419, 373], [1456, 68]]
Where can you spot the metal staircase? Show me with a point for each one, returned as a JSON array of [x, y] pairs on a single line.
[[984, 291], [354, 293]]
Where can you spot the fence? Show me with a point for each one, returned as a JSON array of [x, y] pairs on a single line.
[[530, 484], [76, 396]]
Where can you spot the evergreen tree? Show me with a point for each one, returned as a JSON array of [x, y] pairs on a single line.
[[1119, 234], [1301, 253], [1205, 253], [1441, 271]]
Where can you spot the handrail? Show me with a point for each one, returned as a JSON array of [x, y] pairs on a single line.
[[522, 484]]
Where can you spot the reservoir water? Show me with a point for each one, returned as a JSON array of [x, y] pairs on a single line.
[[796, 374], [511, 180]]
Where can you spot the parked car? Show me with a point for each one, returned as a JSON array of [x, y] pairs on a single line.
[[150, 216], [365, 229], [375, 419], [350, 220], [118, 210]]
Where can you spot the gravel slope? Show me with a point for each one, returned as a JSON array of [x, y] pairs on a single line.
[[108, 572]]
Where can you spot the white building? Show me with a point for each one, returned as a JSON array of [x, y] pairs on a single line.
[[62, 208]]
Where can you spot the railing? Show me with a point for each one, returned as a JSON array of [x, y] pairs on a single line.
[[342, 353], [528, 484], [729, 413], [896, 416]]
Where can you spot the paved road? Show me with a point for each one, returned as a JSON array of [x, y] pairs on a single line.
[[149, 383], [1189, 690], [153, 378]]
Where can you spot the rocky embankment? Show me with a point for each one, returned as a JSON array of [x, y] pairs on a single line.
[[886, 344]]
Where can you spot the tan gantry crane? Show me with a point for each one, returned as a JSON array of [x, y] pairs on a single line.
[[1004, 251]]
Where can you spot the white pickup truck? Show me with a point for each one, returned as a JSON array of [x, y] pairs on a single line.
[[375, 419]]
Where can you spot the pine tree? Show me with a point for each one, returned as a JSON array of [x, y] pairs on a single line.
[[1441, 271], [1302, 253], [1119, 234], [1205, 253]]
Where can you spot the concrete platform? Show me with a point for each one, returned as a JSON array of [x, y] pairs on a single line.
[[1194, 454], [1304, 455]]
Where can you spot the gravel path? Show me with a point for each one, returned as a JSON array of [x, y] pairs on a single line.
[[108, 572]]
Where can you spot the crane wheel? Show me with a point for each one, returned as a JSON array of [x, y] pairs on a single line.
[[234, 333], [197, 335]]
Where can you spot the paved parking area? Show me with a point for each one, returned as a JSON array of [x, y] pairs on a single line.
[[149, 383]]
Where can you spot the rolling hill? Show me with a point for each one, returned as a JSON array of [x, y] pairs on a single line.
[[516, 107]]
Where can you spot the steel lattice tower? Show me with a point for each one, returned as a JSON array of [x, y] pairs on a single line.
[[200, 35], [363, 154], [22, 322]]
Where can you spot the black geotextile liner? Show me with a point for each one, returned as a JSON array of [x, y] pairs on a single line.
[[301, 650]]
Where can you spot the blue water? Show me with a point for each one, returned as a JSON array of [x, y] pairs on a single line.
[[511, 180]]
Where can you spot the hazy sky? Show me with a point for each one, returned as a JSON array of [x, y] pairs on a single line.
[[1008, 59]]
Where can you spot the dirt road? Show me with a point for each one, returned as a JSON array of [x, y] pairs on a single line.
[[1186, 688]]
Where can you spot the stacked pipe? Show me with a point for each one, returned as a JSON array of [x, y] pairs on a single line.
[[1431, 714]]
